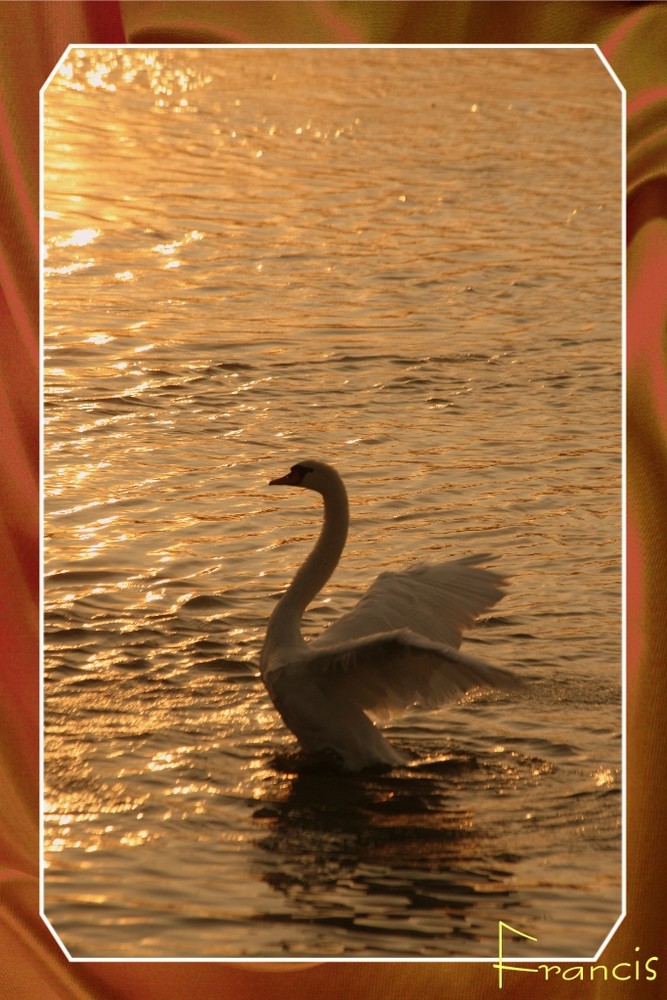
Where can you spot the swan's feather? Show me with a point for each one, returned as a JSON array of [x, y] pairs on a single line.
[[328, 698], [434, 600], [389, 673]]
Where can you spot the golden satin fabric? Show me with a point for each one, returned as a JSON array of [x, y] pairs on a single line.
[[33, 35]]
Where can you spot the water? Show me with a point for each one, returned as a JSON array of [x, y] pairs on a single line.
[[404, 262]]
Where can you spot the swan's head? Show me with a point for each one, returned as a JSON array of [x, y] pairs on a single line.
[[310, 474]]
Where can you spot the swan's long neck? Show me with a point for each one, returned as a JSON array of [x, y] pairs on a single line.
[[284, 631]]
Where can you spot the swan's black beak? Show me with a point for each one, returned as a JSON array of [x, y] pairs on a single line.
[[293, 478], [289, 480]]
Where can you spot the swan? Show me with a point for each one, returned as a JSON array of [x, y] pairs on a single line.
[[397, 648]]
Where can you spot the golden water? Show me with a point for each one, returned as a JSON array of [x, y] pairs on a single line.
[[406, 262]]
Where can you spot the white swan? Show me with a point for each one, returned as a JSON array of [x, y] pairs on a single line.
[[396, 648]]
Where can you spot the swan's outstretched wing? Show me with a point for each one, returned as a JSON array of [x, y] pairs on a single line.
[[386, 674], [434, 600], [327, 697]]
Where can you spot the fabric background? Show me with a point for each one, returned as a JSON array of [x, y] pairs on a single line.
[[33, 35]]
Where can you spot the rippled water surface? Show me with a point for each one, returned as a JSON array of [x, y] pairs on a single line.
[[403, 262]]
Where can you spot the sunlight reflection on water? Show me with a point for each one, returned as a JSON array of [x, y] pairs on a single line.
[[252, 256]]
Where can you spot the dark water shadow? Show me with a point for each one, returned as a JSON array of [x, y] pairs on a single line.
[[389, 858]]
